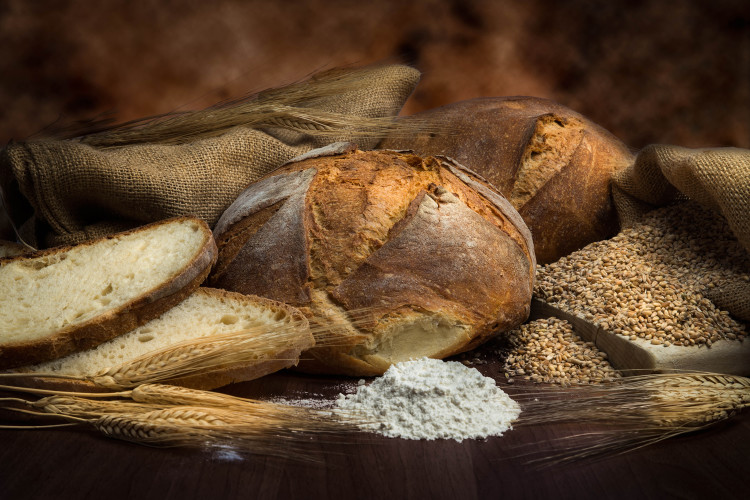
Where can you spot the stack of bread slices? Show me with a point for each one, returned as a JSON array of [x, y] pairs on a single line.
[[70, 314]]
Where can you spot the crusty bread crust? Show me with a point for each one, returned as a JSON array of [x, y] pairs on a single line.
[[393, 255], [115, 322], [264, 225], [465, 286], [553, 164]]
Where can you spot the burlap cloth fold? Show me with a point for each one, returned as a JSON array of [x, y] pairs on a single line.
[[717, 178], [68, 191]]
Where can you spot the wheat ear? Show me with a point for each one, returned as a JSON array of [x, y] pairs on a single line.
[[197, 356], [202, 355], [632, 412], [205, 354], [298, 107], [172, 416], [202, 428]]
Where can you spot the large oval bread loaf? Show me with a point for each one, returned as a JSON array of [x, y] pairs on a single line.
[[393, 256], [67, 299], [553, 164]]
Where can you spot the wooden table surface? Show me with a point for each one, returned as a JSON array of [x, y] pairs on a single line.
[[79, 464]]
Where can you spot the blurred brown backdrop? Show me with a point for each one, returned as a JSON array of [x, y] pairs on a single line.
[[650, 71]]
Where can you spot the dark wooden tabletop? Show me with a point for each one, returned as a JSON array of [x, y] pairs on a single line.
[[79, 464]]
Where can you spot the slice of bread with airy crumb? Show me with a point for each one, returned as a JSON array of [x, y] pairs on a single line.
[[207, 312], [68, 299]]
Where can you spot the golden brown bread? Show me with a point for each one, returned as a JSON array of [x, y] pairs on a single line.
[[553, 164], [391, 255]]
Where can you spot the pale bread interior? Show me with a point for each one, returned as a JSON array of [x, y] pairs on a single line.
[[549, 150], [44, 294], [206, 312], [414, 336]]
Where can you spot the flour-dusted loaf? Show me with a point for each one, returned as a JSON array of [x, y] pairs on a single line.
[[206, 312], [393, 256], [67, 299], [553, 164]]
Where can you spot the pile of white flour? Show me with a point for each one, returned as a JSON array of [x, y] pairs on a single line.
[[432, 399]]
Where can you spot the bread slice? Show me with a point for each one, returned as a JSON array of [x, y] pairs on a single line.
[[68, 299], [207, 312]]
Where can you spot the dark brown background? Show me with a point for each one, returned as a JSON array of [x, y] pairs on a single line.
[[650, 71]]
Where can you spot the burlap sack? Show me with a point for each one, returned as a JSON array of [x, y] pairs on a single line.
[[67, 191], [717, 178]]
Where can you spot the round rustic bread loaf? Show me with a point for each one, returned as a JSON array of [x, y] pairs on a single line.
[[393, 256], [551, 163]]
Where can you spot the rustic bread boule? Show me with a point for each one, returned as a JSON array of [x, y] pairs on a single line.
[[552, 164], [391, 255]]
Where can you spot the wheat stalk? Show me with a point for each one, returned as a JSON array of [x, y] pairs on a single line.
[[173, 395], [162, 415], [196, 356], [77, 406], [631, 413], [299, 419], [634, 411], [295, 107], [669, 399], [201, 428], [204, 354]]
